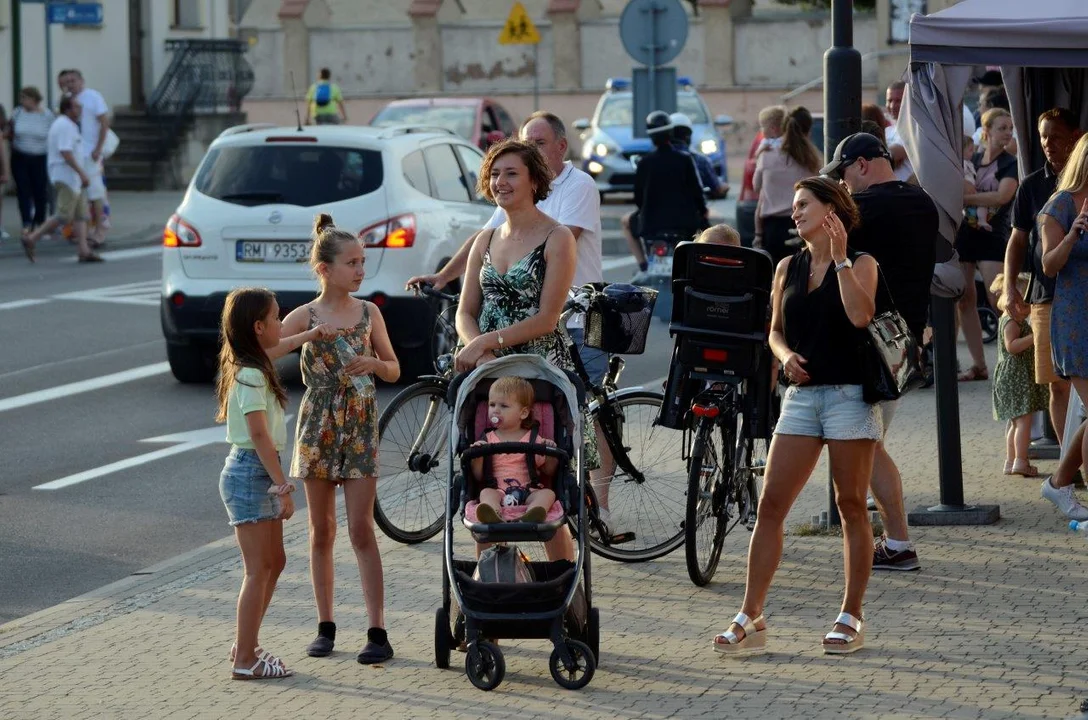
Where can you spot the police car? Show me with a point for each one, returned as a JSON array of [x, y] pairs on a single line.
[[610, 151]]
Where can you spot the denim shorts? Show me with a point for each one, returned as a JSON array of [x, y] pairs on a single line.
[[594, 360], [243, 485], [831, 412]]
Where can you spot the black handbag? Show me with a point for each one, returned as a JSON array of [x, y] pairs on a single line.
[[889, 354]]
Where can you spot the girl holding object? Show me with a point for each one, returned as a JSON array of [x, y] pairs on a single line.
[[336, 441]]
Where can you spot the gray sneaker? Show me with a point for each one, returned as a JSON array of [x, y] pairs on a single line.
[[1065, 500]]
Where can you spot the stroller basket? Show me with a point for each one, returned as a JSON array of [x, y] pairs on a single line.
[[618, 319]]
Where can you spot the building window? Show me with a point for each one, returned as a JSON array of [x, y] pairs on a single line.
[[187, 13]]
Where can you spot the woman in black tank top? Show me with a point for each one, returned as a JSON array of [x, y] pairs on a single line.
[[823, 297]]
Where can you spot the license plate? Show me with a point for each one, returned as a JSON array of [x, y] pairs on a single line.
[[660, 265], [286, 251]]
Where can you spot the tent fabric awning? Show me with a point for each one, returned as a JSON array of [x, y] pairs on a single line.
[[1039, 33]]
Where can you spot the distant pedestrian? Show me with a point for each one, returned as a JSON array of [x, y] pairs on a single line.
[[1016, 395], [70, 181], [996, 181], [3, 166], [324, 101], [94, 123], [336, 439], [779, 167], [252, 485], [29, 131]]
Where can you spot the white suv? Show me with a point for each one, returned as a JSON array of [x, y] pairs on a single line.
[[409, 193]]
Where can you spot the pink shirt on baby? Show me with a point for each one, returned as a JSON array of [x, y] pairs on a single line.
[[511, 466]]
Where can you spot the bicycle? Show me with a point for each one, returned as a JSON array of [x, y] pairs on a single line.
[[636, 494], [724, 471]]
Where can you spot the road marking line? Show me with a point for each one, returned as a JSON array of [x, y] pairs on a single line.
[[117, 466], [60, 391], [125, 254], [14, 304], [616, 263], [139, 293]]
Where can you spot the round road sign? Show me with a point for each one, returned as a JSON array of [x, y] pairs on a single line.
[[654, 31]]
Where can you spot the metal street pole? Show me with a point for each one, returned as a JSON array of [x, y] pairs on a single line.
[[48, 58], [16, 51], [842, 117]]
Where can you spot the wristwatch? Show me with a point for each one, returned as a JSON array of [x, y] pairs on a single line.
[[847, 263]]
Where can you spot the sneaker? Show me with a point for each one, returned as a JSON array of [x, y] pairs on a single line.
[[884, 558], [1065, 500]]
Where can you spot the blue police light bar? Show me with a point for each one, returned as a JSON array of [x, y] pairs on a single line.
[[614, 84]]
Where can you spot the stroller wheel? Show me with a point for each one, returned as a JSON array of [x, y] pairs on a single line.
[[485, 665], [987, 318], [443, 641], [575, 673]]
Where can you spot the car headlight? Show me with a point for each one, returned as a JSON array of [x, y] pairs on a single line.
[[601, 150], [708, 146]]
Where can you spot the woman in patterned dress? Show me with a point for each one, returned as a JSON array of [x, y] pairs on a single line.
[[518, 276], [1063, 228], [336, 442]]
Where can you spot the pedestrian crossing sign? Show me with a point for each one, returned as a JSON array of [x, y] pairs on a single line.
[[519, 29]]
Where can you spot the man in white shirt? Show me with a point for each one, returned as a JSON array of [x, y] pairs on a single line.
[[70, 181], [95, 125], [574, 202]]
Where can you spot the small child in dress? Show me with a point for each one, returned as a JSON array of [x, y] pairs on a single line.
[[1016, 395], [719, 235], [976, 216], [509, 411]]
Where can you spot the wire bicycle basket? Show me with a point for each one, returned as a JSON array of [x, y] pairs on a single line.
[[618, 319]]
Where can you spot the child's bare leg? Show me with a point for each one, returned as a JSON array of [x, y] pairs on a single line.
[[1010, 444], [490, 502], [541, 498], [1021, 441]]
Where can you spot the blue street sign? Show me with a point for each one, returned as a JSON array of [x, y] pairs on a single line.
[[74, 13]]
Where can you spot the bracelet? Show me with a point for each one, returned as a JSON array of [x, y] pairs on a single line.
[[283, 489]]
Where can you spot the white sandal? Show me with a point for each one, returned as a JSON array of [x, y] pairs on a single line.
[[754, 641], [271, 668], [850, 643]]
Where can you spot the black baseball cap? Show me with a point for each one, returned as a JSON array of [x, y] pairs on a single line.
[[852, 147]]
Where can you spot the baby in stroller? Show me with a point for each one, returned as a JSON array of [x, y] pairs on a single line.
[[513, 479]]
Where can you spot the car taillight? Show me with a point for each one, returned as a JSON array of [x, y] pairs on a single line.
[[179, 233], [396, 232], [660, 249]]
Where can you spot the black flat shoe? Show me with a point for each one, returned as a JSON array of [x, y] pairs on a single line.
[[320, 647], [374, 653]]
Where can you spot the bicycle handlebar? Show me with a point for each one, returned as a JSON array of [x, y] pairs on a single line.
[[431, 292]]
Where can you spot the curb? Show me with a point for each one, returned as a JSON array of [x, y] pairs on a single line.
[[139, 590], [150, 235]]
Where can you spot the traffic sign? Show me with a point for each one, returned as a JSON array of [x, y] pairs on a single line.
[[519, 29], [654, 31], [75, 13]]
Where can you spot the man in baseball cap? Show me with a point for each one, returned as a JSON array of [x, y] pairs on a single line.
[[853, 148]]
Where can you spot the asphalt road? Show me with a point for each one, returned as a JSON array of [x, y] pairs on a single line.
[[117, 502]]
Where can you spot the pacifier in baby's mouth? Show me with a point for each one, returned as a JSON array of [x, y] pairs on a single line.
[[494, 419]]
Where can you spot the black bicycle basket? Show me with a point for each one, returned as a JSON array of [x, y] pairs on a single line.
[[618, 319]]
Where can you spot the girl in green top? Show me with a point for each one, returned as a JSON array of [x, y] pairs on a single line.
[[253, 487]]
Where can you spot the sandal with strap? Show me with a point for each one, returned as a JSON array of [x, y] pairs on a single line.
[[256, 651], [754, 641], [270, 667], [1023, 470], [850, 643], [974, 374]]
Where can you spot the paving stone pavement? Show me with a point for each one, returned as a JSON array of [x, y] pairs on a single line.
[[990, 628]]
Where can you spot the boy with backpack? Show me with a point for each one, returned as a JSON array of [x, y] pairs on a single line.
[[324, 101]]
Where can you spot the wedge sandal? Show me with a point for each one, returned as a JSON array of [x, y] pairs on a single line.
[[754, 641], [850, 643]]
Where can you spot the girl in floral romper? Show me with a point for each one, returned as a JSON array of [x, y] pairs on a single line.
[[336, 441]]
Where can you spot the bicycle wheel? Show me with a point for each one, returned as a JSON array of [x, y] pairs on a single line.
[[413, 452], [650, 514], [710, 478]]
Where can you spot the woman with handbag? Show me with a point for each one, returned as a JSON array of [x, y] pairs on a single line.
[[822, 299]]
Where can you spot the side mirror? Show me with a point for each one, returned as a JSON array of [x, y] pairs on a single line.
[[722, 120], [581, 124]]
